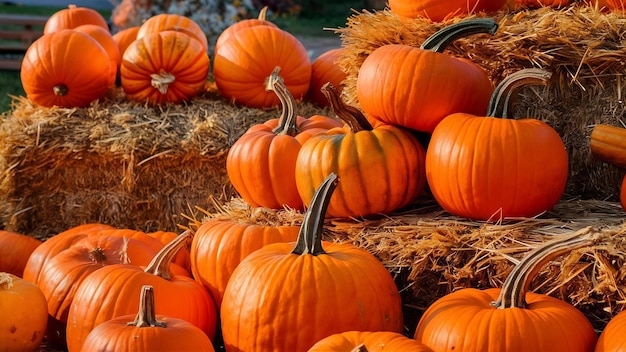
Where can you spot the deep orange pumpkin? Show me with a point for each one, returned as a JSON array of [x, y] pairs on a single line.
[[326, 69], [382, 167], [484, 167], [510, 318], [147, 331], [243, 63], [260, 164], [72, 17], [65, 68], [164, 67], [104, 38], [612, 336], [261, 20], [438, 10], [418, 87], [173, 22], [369, 341], [280, 291], [15, 249]]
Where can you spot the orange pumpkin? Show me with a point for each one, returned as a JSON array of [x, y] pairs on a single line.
[[65, 68], [72, 17], [173, 22], [104, 38], [245, 23], [24, 314], [325, 69], [369, 341], [612, 336], [438, 10], [243, 63], [125, 37], [164, 67], [147, 331], [15, 249]]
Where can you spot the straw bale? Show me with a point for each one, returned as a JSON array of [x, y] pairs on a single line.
[[583, 47], [117, 162], [431, 253]]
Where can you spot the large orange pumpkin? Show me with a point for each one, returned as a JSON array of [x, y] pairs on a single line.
[[15, 249], [164, 67], [72, 17], [244, 61], [439, 10], [485, 167], [173, 22], [369, 341], [65, 68], [417, 87], [279, 292]]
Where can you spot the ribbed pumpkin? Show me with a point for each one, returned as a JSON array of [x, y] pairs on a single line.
[[261, 20], [72, 17], [65, 68], [164, 67], [244, 61], [326, 69], [286, 298], [219, 245], [382, 167], [15, 249], [147, 331], [260, 164], [23, 314], [511, 318], [492, 167], [418, 87], [369, 341], [438, 10], [104, 38], [173, 22], [612, 336]]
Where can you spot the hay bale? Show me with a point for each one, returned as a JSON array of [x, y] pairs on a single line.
[[582, 46], [431, 253], [117, 162]]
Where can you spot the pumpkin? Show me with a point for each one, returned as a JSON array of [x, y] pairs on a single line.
[[173, 22], [24, 314], [382, 167], [243, 63], [15, 249], [164, 67], [260, 164], [418, 87], [370, 341], [125, 37], [510, 318], [437, 10], [147, 331], [72, 17], [608, 143], [485, 167], [104, 38], [261, 20], [282, 290], [612, 336], [106, 294], [325, 69], [65, 68], [219, 245]]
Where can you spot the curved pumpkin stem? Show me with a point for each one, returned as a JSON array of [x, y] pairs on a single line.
[[288, 117], [501, 101], [513, 293], [263, 14], [352, 116], [439, 41], [160, 264], [310, 235], [146, 316]]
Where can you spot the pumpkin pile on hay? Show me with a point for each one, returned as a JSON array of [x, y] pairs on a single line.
[[583, 47], [117, 162], [431, 253]]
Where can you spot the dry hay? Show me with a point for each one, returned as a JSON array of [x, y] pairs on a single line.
[[431, 253], [117, 162], [583, 48]]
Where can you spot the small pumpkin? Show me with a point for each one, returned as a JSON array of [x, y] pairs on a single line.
[[437, 10], [65, 68], [72, 17], [23, 313], [282, 290], [15, 249], [147, 331], [369, 341], [511, 318], [486, 167], [326, 69], [104, 38], [164, 67], [417, 87], [173, 22], [612, 336]]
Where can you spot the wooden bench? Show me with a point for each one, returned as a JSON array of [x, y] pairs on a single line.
[[17, 32]]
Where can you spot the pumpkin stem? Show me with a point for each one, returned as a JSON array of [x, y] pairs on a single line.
[[310, 235], [262, 14], [513, 293], [161, 81], [6, 281], [360, 348], [352, 116], [501, 101], [60, 90], [288, 117], [439, 41], [160, 264], [96, 255], [146, 316]]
